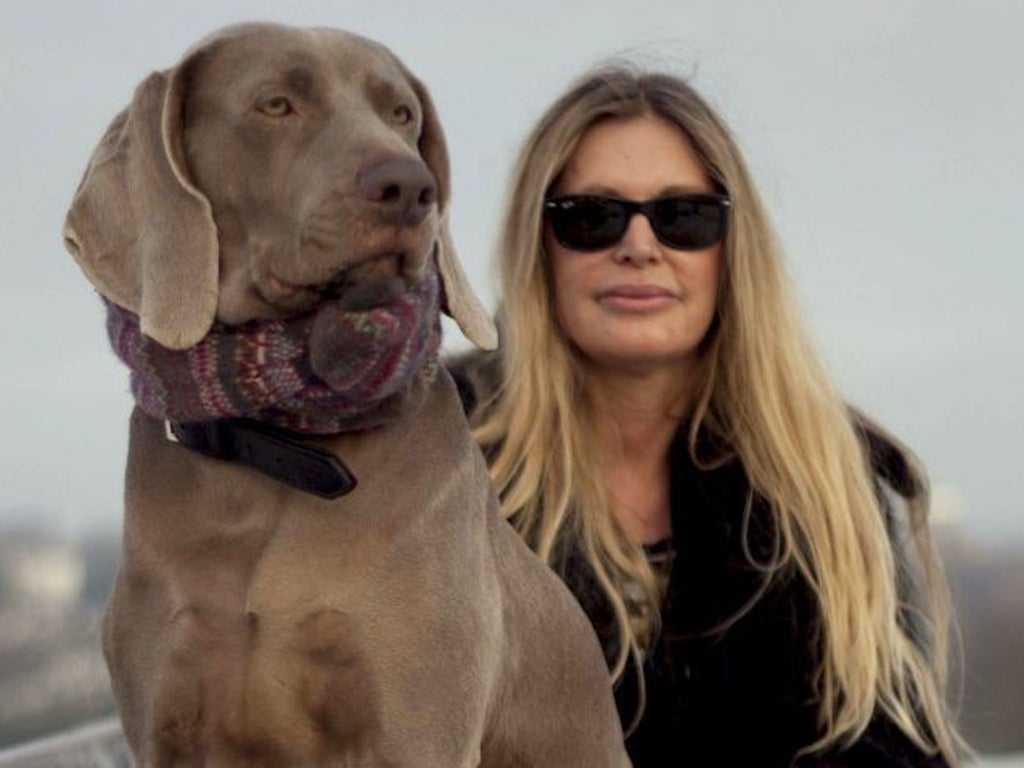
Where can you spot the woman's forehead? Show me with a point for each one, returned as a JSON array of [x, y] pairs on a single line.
[[631, 157]]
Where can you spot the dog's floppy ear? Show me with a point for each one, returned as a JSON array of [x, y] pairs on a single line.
[[460, 302], [138, 228]]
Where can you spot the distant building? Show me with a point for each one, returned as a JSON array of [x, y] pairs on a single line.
[[40, 571]]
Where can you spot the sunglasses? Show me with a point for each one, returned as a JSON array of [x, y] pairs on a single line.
[[595, 222]]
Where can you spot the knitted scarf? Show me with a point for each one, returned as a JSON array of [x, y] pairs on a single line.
[[335, 370]]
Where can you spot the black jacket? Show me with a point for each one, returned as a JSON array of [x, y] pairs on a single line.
[[740, 695], [743, 695]]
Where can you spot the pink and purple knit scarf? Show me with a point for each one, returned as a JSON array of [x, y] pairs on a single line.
[[335, 370]]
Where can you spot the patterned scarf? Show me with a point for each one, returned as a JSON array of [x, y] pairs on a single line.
[[335, 370]]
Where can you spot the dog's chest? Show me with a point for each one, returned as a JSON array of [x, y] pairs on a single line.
[[274, 627], [293, 688]]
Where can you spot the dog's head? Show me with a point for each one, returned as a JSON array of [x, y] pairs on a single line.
[[272, 167]]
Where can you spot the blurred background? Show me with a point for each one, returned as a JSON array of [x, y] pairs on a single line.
[[885, 138]]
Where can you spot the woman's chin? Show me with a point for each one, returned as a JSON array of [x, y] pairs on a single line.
[[640, 359]]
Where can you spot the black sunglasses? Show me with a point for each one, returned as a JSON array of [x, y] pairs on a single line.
[[594, 222]]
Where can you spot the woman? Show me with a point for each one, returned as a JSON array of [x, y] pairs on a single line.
[[661, 433]]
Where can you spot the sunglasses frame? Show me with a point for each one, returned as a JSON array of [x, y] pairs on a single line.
[[647, 208]]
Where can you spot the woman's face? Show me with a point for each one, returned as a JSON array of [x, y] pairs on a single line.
[[638, 304]]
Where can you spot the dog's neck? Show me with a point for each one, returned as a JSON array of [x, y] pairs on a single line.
[[337, 370]]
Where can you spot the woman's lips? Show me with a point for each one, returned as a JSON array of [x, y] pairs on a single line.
[[637, 298]]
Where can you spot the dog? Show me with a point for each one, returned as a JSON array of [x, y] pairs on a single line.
[[286, 620]]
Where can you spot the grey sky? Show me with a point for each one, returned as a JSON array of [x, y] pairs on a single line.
[[885, 137]]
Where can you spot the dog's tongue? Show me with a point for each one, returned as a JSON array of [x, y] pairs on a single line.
[[369, 344]]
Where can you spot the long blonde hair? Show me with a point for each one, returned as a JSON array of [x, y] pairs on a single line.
[[761, 390]]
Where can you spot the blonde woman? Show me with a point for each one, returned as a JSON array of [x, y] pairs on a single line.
[[662, 434]]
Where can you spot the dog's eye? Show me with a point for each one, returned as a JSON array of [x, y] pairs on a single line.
[[278, 106], [402, 114]]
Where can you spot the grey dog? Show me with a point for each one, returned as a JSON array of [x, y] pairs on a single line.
[[252, 624]]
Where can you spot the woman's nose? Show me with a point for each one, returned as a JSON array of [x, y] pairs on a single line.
[[639, 246]]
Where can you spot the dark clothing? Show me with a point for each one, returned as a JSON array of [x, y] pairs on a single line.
[[741, 695], [734, 695]]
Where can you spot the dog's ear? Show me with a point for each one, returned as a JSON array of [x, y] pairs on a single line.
[[459, 301], [139, 229]]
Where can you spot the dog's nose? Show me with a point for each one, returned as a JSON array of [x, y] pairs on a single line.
[[402, 188]]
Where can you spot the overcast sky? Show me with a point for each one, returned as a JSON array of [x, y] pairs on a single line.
[[886, 138]]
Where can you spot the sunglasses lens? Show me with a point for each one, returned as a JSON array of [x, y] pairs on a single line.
[[588, 223], [592, 223], [688, 223]]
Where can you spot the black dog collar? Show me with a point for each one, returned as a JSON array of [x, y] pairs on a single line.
[[270, 450]]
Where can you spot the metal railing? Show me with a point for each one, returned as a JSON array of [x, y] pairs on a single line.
[[99, 744]]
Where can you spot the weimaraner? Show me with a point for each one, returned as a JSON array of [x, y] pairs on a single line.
[[256, 624]]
